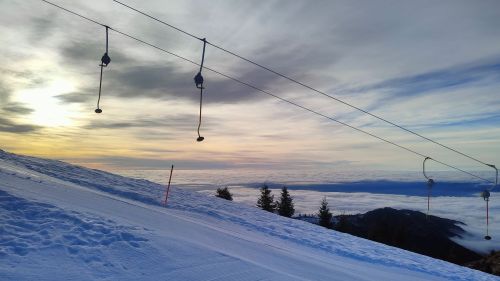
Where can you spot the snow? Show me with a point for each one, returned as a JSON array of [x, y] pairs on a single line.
[[453, 197], [63, 222]]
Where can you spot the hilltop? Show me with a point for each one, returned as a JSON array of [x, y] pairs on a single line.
[[64, 222]]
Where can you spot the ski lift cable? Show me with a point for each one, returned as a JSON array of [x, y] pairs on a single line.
[[270, 94], [302, 83]]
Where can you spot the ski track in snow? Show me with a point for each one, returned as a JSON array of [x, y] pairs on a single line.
[[206, 238]]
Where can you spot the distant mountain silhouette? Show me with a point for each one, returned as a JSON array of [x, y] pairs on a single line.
[[409, 230]]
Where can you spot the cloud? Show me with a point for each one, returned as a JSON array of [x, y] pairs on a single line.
[[170, 81], [15, 108], [26, 77], [5, 92], [9, 126], [82, 96], [78, 52], [152, 163], [435, 81], [9, 108], [43, 27], [488, 120], [179, 122]]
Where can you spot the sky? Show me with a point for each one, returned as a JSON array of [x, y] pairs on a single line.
[[433, 67]]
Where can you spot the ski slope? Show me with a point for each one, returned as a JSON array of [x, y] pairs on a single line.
[[63, 222]]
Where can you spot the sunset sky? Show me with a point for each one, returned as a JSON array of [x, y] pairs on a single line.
[[432, 66]]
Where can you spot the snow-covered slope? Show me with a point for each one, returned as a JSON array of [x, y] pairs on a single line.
[[63, 222]]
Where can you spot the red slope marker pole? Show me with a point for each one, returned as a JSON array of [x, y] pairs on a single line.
[[168, 186]]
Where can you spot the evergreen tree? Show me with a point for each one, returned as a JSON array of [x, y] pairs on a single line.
[[325, 217], [224, 193], [285, 205], [266, 200]]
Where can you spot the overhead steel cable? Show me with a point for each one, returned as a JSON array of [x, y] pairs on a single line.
[[268, 93], [302, 83]]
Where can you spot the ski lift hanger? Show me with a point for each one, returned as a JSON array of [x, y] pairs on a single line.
[[105, 60], [430, 184], [198, 80], [486, 196]]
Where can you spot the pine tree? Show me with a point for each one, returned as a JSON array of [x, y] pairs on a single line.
[[224, 193], [266, 200], [325, 217], [285, 205]]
